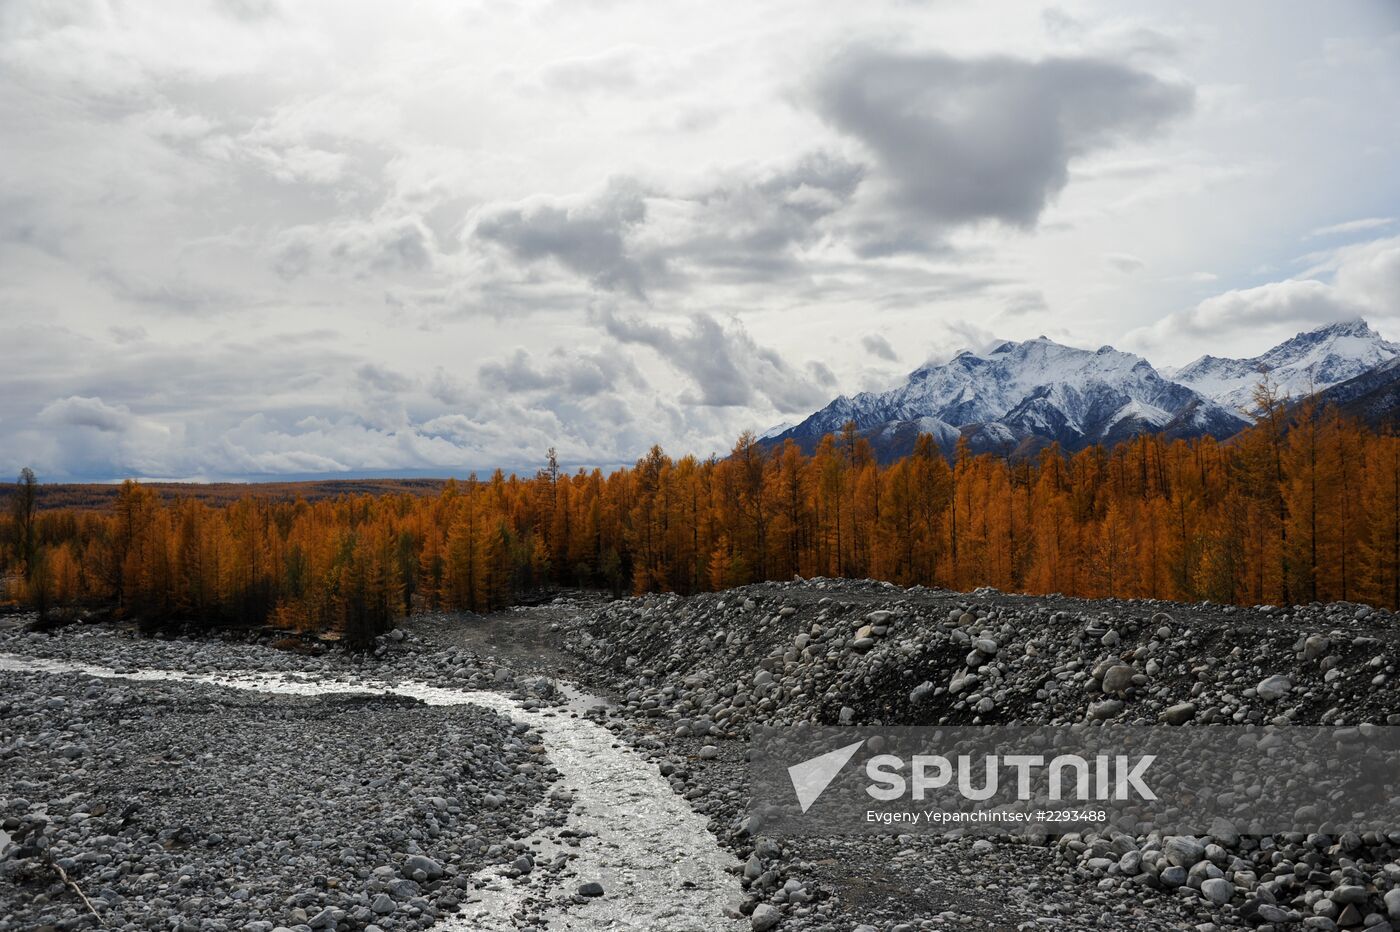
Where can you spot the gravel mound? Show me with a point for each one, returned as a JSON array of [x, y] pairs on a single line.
[[693, 675]]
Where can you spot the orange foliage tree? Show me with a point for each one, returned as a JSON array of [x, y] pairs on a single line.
[[1303, 506]]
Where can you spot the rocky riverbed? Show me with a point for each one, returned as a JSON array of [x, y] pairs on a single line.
[[339, 804], [685, 680], [175, 805]]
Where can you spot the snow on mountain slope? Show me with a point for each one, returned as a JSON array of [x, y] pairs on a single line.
[[1021, 396], [1307, 363], [1035, 390], [777, 430]]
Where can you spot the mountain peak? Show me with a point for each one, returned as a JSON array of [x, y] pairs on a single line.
[[1305, 363], [1354, 327]]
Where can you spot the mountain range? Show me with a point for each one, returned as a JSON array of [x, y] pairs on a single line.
[[1016, 398]]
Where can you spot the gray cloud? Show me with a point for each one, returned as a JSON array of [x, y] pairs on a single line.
[[1124, 262], [877, 345], [381, 379], [961, 140], [749, 224], [77, 411], [585, 235], [616, 70], [821, 373], [745, 224], [581, 375], [724, 365], [174, 295], [125, 334]]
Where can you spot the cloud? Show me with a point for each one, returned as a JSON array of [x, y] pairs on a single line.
[[127, 334], [582, 375], [724, 364], [743, 224], [1291, 301], [963, 140], [381, 379], [587, 235], [751, 222], [1365, 281], [1364, 225], [1369, 274], [877, 345], [390, 244], [77, 411], [616, 70], [1124, 262], [77, 430], [821, 373]]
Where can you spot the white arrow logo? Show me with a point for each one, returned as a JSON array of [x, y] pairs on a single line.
[[811, 777]]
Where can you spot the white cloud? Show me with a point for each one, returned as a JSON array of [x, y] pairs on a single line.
[[76, 411], [1363, 225], [1365, 282]]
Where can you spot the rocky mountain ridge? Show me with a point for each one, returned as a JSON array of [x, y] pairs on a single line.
[[1016, 398]]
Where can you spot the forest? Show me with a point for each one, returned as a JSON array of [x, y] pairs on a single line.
[[1303, 506]]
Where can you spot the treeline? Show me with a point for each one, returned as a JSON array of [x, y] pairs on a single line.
[[90, 496], [1304, 506]]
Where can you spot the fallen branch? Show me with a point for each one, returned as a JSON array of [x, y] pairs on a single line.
[[63, 875]]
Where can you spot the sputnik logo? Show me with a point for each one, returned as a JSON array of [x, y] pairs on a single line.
[[811, 777]]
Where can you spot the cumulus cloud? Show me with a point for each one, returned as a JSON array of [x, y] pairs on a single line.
[[584, 374], [77, 411], [962, 140], [725, 366], [1364, 282], [878, 346], [82, 429], [1369, 274], [1291, 301], [587, 235]]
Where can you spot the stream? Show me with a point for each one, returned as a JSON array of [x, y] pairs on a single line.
[[659, 866]]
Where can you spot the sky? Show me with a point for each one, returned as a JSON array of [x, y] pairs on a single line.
[[265, 239]]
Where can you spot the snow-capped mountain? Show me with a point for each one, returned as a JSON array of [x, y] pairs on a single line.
[[1308, 363], [1018, 397]]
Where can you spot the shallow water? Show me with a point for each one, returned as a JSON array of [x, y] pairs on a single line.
[[659, 866]]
